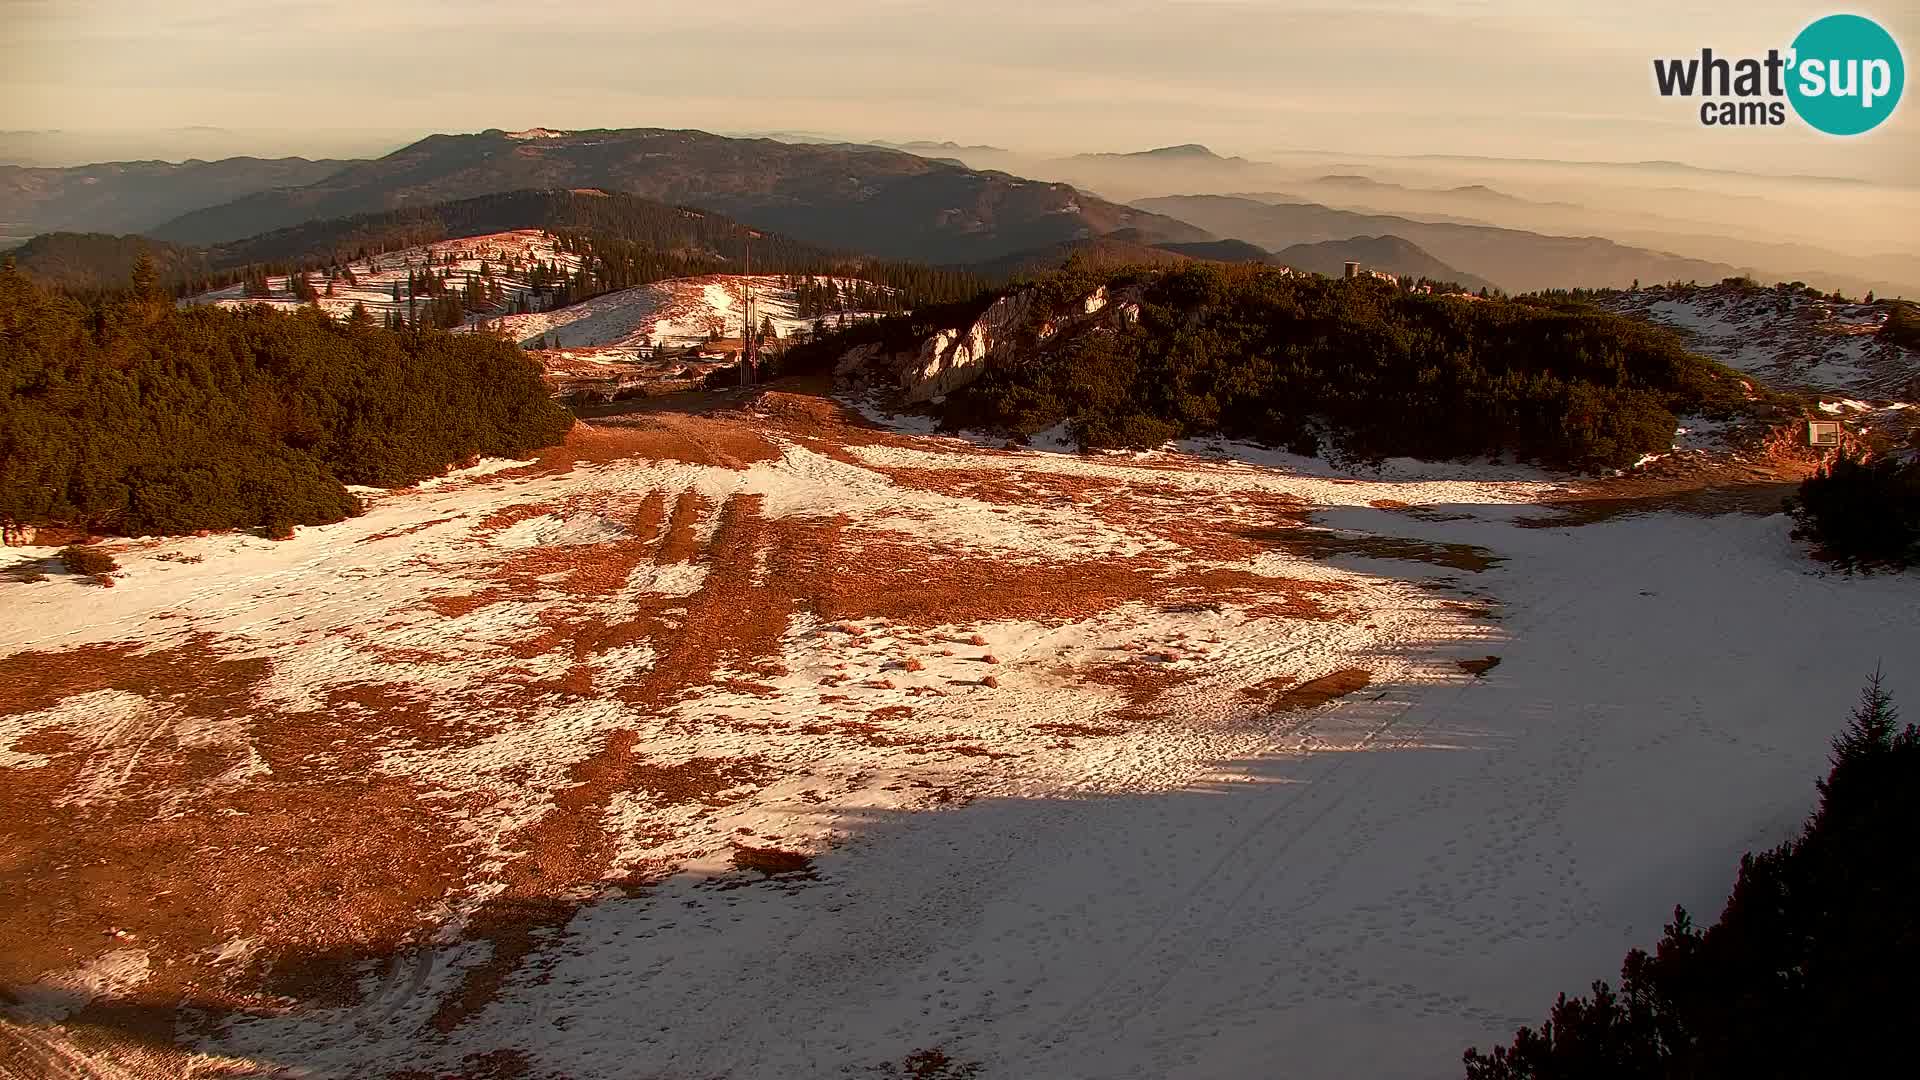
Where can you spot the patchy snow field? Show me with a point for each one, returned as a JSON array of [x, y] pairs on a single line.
[[604, 343], [1791, 341], [375, 278], [770, 742], [673, 314], [670, 314]]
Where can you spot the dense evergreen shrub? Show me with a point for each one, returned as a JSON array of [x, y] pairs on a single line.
[[1359, 369], [129, 415], [1808, 973], [1863, 515], [91, 561], [1903, 325]]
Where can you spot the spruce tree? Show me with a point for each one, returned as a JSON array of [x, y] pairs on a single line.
[[1873, 724], [146, 280]]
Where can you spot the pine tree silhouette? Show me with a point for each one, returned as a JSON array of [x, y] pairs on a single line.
[[1873, 726]]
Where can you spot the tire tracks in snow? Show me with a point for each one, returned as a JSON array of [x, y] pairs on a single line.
[[1182, 932], [1201, 914]]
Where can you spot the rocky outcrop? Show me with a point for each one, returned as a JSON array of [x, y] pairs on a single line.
[[953, 357]]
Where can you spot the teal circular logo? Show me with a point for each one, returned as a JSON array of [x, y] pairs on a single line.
[[1847, 75]]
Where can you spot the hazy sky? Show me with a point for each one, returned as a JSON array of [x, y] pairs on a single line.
[[1498, 77]]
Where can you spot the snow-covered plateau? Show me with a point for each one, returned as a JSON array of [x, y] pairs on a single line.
[[757, 738]]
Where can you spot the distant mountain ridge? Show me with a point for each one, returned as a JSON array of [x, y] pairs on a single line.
[[1513, 259], [629, 238], [945, 146], [886, 202], [1654, 165], [1481, 193], [1393, 254], [1182, 152], [133, 196]]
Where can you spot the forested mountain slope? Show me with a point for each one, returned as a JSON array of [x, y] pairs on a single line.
[[613, 241], [845, 197]]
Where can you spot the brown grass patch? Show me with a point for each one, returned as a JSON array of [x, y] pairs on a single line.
[[919, 588], [1263, 597], [1313, 543], [800, 410], [729, 622], [1004, 487], [678, 545], [913, 587], [1160, 509], [508, 516], [1140, 682], [770, 862], [391, 534], [454, 606], [1284, 694], [1228, 532], [697, 780], [183, 875], [972, 750], [663, 429]]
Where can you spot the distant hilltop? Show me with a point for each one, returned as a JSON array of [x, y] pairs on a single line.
[[1182, 152]]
